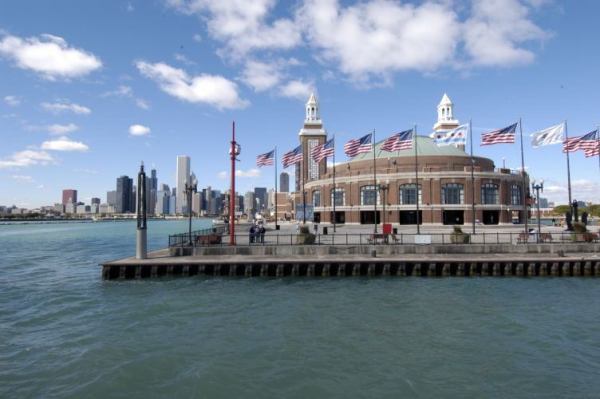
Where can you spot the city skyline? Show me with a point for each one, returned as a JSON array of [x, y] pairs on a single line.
[[112, 102]]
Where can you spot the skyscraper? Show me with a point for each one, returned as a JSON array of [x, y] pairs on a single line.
[[124, 196], [152, 189], [284, 182], [69, 196], [183, 177], [249, 204], [111, 198], [260, 194]]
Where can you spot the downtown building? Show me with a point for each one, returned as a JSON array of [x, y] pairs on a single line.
[[445, 190]]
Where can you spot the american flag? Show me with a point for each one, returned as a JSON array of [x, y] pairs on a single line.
[[292, 157], [265, 159], [358, 146], [587, 142], [500, 136], [323, 151], [593, 152], [398, 141]]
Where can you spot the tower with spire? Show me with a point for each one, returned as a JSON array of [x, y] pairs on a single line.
[[311, 135], [445, 110]]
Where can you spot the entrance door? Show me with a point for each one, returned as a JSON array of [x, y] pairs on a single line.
[[410, 217], [339, 217], [317, 217], [366, 217], [491, 217], [453, 217]]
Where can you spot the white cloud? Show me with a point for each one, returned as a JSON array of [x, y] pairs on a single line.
[[254, 172], [297, 89], [197, 38], [581, 190], [59, 107], [127, 92], [208, 89], [64, 144], [183, 59], [49, 55], [261, 76], [496, 30], [22, 178], [62, 129], [243, 25], [138, 130], [26, 158], [13, 101]]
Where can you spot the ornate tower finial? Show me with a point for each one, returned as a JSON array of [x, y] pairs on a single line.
[[312, 109], [445, 111]]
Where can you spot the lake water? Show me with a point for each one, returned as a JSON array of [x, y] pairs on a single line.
[[66, 333]]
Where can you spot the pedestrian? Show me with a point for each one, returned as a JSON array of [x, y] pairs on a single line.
[[261, 231], [252, 232]]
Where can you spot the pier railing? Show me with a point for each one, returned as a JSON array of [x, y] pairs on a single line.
[[216, 237]]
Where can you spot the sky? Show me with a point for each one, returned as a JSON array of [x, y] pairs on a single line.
[[90, 89]]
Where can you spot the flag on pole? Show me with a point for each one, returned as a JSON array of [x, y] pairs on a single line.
[[265, 159], [500, 136], [454, 136], [593, 151], [323, 151], [586, 142], [398, 141], [292, 157], [551, 135], [358, 146]]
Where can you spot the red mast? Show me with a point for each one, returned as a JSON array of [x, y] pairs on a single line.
[[233, 152]]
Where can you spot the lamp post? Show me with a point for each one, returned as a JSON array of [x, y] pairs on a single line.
[[189, 190], [384, 188], [537, 187]]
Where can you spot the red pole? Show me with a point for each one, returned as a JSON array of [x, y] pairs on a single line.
[[232, 192]]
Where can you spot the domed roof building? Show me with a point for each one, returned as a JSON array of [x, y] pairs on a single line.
[[444, 194]]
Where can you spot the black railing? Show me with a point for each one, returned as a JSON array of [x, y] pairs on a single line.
[[212, 237]]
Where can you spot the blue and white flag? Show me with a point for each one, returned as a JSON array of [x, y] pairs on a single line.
[[454, 136]]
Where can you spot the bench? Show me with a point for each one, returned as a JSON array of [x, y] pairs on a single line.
[[524, 237], [208, 239]]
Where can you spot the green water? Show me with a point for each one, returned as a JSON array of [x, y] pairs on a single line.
[[66, 333]]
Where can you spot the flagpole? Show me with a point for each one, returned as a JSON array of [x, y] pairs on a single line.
[[333, 197], [416, 176], [472, 176], [525, 198], [598, 144], [303, 190], [374, 186], [276, 225], [568, 170]]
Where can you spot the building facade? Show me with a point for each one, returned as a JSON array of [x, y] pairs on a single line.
[[125, 199], [69, 196], [183, 178], [445, 190], [284, 182]]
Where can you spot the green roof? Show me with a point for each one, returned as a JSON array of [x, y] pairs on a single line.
[[425, 147]]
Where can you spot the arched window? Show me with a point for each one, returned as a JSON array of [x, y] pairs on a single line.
[[443, 112], [453, 193], [368, 195], [316, 198], [515, 195], [338, 196], [408, 194], [489, 194]]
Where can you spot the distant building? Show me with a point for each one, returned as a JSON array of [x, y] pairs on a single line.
[[70, 208], [163, 199], [125, 199], [95, 200], [111, 198], [183, 178], [249, 205], [69, 195], [59, 208], [284, 182], [260, 195], [543, 202], [152, 186]]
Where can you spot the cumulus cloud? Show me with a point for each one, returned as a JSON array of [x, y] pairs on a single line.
[[296, 89], [127, 92], [261, 76], [13, 101], [254, 172], [62, 129], [64, 144], [49, 56], [26, 158], [213, 90], [62, 106], [581, 189], [139, 130]]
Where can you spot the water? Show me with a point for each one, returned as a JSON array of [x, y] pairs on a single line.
[[66, 333]]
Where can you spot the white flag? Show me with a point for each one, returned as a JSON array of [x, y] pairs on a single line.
[[550, 135]]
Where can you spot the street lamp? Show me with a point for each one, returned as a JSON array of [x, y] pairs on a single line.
[[384, 187], [537, 187], [189, 189]]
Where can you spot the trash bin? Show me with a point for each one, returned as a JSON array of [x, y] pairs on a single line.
[[325, 230], [277, 227], [395, 230]]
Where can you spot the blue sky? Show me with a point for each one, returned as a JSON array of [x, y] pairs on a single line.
[[89, 89]]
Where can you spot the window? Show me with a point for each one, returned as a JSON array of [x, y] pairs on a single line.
[[368, 195], [408, 194], [489, 193], [338, 197], [453, 193], [316, 198], [515, 195]]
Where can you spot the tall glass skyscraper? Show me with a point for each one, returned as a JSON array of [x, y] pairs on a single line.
[[183, 177]]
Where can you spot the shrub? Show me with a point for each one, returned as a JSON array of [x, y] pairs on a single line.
[[579, 227], [305, 237], [458, 237]]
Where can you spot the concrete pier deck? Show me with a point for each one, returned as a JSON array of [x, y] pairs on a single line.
[[160, 263]]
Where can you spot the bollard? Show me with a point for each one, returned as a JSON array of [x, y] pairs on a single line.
[[520, 269], [431, 272], [587, 269], [531, 269], [416, 272], [543, 269], [566, 269], [555, 270], [496, 270], [577, 269], [508, 269], [460, 270], [446, 270], [401, 272]]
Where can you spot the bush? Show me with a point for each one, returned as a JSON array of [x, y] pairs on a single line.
[[458, 237], [305, 237], [579, 227]]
